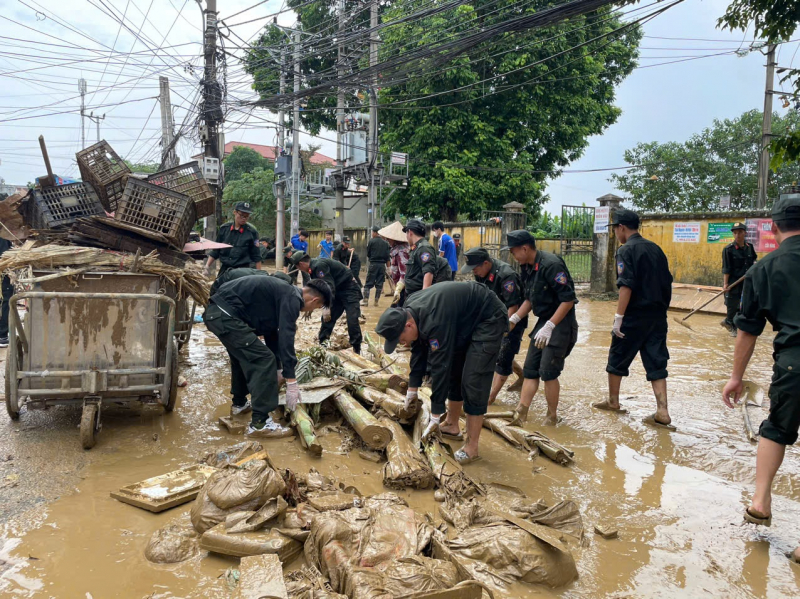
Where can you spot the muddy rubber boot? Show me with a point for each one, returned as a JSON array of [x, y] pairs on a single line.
[[375, 303], [365, 301], [520, 415]]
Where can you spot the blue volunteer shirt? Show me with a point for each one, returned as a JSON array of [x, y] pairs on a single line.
[[326, 249], [447, 246], [299, 245]]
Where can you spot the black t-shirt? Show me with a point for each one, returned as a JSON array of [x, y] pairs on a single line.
[[736, 261], [548, 284], [245, 251], [643, 267]]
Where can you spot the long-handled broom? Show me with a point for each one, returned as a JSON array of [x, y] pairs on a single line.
[[683, 320]]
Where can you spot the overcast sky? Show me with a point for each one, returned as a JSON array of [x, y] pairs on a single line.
[[40, 82]]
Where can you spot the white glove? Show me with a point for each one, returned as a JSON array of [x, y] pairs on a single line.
[[292, 395], [326, 315], [617, 328], [542, 338], [411, 397], [513, 321], [398, 290], [433, 427]]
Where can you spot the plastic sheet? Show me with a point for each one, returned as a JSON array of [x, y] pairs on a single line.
[[232, 487], [172, 544], [228, 456], [243, 544]]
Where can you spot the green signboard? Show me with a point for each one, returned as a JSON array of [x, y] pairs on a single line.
[[720, 233]]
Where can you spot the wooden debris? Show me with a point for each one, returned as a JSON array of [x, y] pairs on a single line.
[[606, 531], [166, 491], [375, 435], [527, 442], [261, 576], [305, 429], [234, 427], [405, 467]]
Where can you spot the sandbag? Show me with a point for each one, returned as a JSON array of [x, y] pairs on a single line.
[[228, 456], [235, 486], [172, 544], [260, 542], [501, 553], [204, 514], [419, 574]]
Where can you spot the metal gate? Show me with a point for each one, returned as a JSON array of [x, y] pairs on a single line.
[[495, 225], [577, 242]]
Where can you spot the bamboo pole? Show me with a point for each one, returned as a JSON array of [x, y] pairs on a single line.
[[366, 425], [405, 466], [305, 428]]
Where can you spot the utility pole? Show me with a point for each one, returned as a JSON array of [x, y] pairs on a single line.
[[168, 157], [372, 144], [766, 130], [97, 120], [82, 90], [280, 191], [296, 136], [212, 111], [340, 158]]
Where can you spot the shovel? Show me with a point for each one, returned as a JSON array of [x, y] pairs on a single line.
[[49, 180], [682, 320]]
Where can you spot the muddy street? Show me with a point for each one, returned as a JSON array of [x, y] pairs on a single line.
[[676, 498]]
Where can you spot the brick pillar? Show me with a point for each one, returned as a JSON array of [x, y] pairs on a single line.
[[604, 275]]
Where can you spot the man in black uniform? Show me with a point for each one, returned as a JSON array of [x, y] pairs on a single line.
[[244, 239], [240, 312], [343, 254], [378, 255], [346, 295], [550, 293], [7, 294], [640, 322], [238, 273], [507, 285], [771, 289], [421, 266], [456, 329], [737, 258], [267, 249]]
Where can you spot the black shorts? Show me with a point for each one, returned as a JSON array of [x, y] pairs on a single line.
[[645, 336], [783, 422], [510, 348], [548, 363]]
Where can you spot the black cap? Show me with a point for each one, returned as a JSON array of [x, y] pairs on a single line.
[[739, 227], [244, 207], [390, 326], [416, 226], [375, 229], [456, 235], [475, 257], [786, 206], [518, 238], [345, 239], [298, 257], [625, 217], [288, 249]]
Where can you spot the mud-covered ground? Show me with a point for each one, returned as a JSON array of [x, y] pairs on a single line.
[[676, 498]]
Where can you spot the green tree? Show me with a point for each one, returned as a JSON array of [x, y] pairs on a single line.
[[533, 98], [691, 176], [147, 168], [243, 160]]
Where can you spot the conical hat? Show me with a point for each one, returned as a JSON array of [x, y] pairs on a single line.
[[393, 232]]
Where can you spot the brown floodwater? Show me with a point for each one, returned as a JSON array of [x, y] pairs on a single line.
[[676, 498]]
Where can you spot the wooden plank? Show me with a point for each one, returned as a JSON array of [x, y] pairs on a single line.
[[689, 297], [261, 576], [166, 491]]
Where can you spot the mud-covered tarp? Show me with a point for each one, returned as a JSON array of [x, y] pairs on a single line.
[[405, 466], [228, 456], [174, 543]]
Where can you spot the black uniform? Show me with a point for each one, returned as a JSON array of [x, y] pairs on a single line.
[[443, 272], [736, 261], [770, 293], [421, 261], [267, 253], [342, 255], [7, 294], [548, 284], [346, 297], [378, 255], [238, 313], [642, 266], [245, 251], [507, 285], [238, 273], [461, 326]]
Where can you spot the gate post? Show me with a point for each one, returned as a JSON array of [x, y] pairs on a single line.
[[605, 248], [513, 220]]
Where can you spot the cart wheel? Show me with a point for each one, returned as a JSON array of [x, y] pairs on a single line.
[[89, 425], [12, 404], [173, 382]]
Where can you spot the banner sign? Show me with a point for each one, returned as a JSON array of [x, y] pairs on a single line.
[[686, 232], [719, 233]]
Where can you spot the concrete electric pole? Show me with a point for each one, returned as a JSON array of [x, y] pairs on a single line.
[[168, 157], [280, 191], [766, 130], [340, 158], [212, 115], [82, 90], [372, 143], [296, 137]]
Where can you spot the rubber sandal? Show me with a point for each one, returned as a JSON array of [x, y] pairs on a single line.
[[751, 517], [458, 437], [651, 420], [604, 405], [463, 458]]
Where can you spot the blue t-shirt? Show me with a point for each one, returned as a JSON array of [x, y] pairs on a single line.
[[447, 246], [299, 245], [326, 249]]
